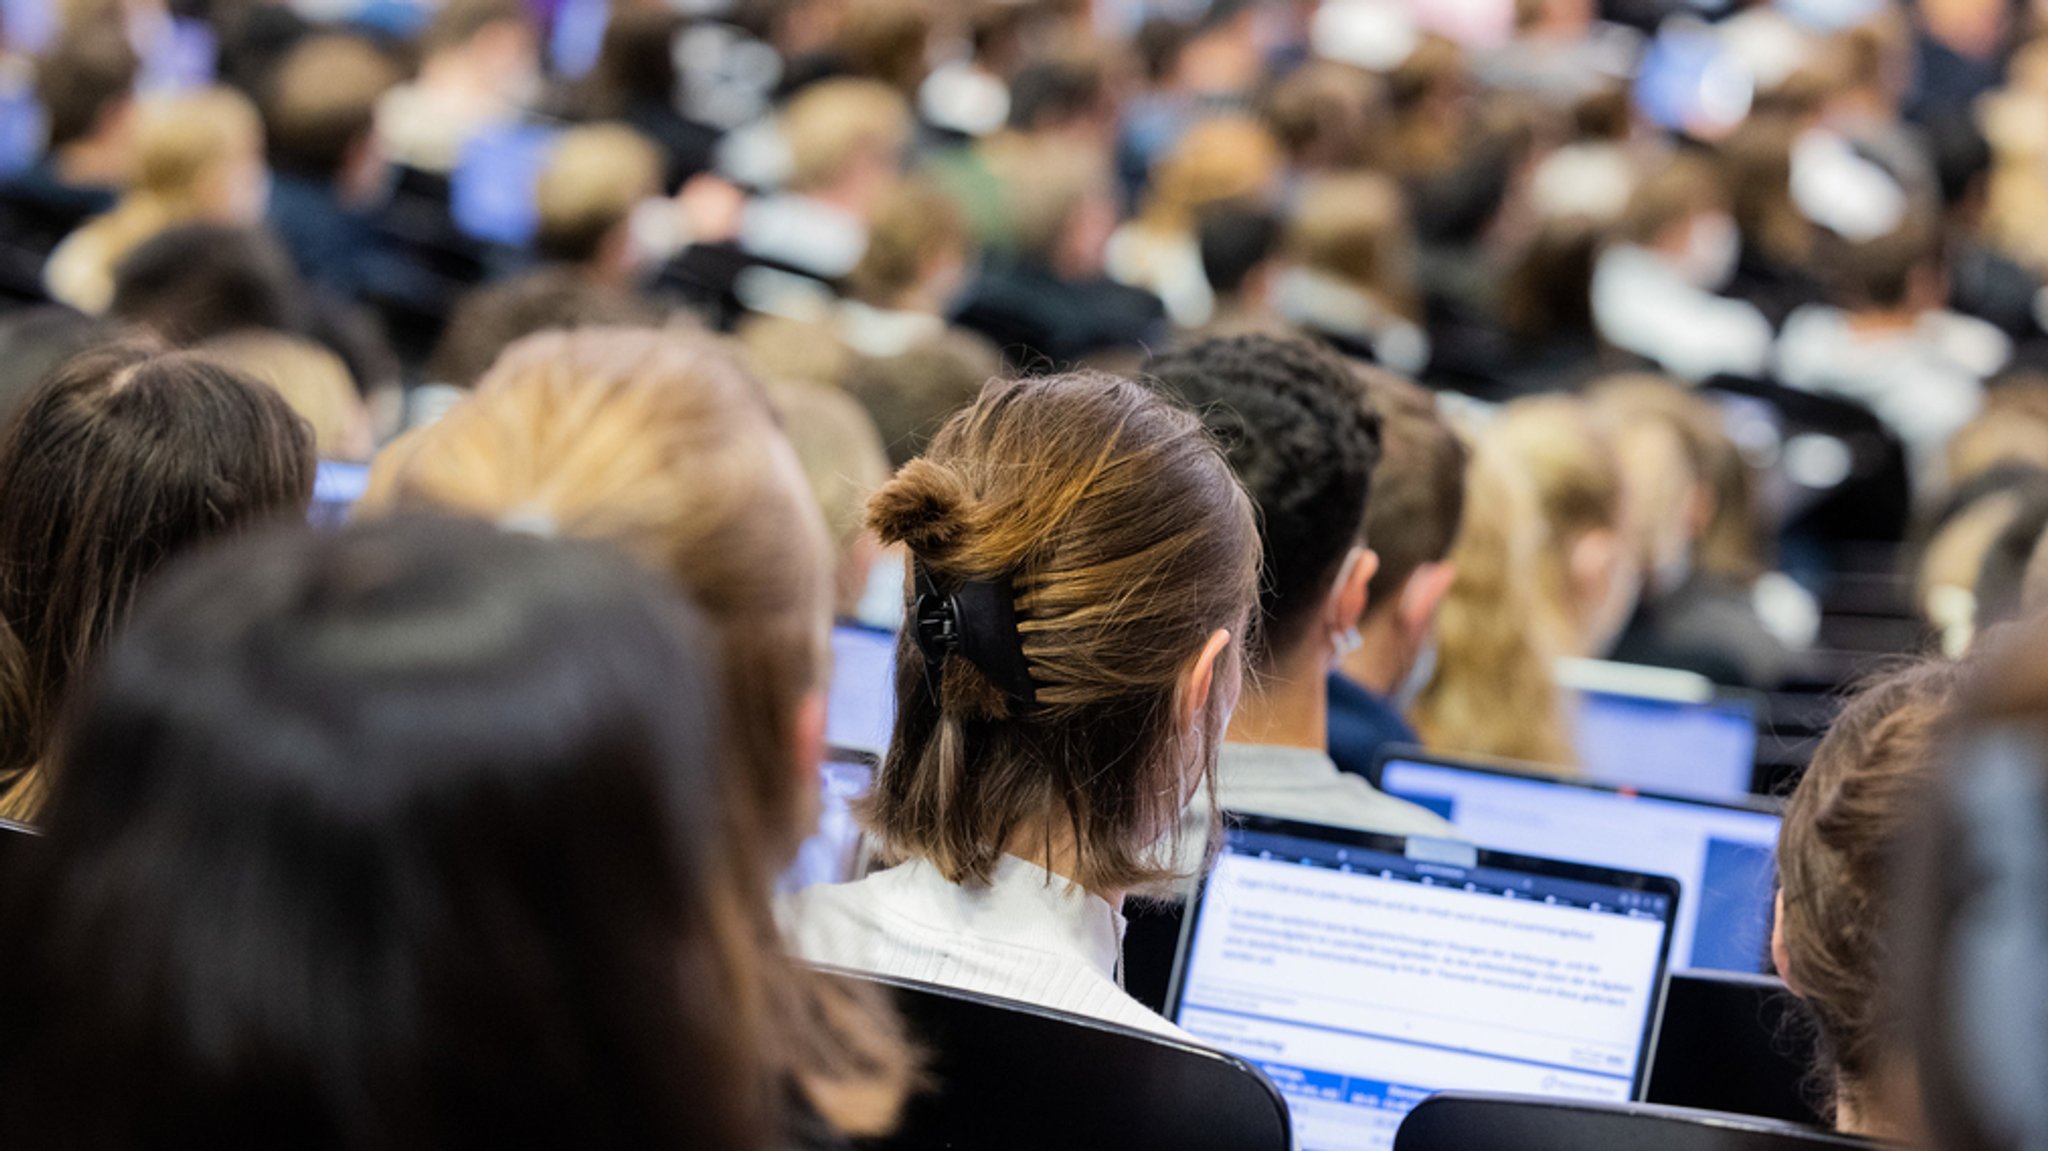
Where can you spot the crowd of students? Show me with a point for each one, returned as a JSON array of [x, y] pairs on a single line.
[[1210, 396]]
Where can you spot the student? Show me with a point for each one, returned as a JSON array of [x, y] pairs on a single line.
[[321, 109], [1303, 439], [198, 159], [1352, 274], [844, 464], [1087, 547], [1843, 827], [312, 380], [907, 281], [597, 175], [86, 86], [1411, 523], [911, 395], [635, 81], [123, 459], [405, 836], [479, 70], [658, 443], [1219, 160]]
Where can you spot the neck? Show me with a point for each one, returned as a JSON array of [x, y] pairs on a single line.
[[1382, 660], [1887, 1108], [90, 163], [1289, 705], [1053, 848]]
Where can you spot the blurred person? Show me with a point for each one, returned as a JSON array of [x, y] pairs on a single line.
[[320, 109], [1412, 523], [1327, 116], [636, 82], [2000, 594], [198, 159], [1546, 313], [1218, 160], [1240, 246], [1951, 563], [479, 69], [301, 853], [1351, 271], [1047, 300], [1843, 829], [1774, 272], [1654, 285], [912, 273], [659, 443], [313, 380], [86, 86], [1094, 717], [1303, 437], [595, 179], [911, 395], [888, 40], [1060, 100], [844, 462], [801, 351], [122, 459]]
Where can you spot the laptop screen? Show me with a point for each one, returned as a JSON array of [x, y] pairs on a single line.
[[1364, 973], [832, 852], [1724, 855], [336, 488], [1705, 748], [860, 710]]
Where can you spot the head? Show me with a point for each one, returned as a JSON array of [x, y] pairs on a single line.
[[199, 158], [844, 464], [1061, 205], [917, 253], [498, 39], [1548, 293], [1900, 271], [1587, 573], [846, 140], [321, 108], [1329, 117], [1303, 440], [1843, 828], [1680, 211], [1354, 228], [1060, 95], [2007, 574], [1411, 523], [311, 379], [2011, 430], [123, 459], [595, 177], [86, 85], [1239, 244], [494, 317], [1217, 160], [340, 805], [1132, 554], [889, 41], [910, 396], [636, 62], [192, 283], [1674, 457]]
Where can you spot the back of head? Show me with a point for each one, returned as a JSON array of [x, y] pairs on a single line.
[[915, 224], [2012, 429], [1217, 160], [1418, 487], [1843, 828], [596, 176], [1303, 440], [1045, 185], [183, 142], [889, 41], [341, 805], [321, 103], [911, 395], [191, 283], [833, 125], [1881, 273], [1115, 525], [1568, 457], [1057, 92], [123, 459], [1670, 194], [844, 463], [1328, 116], [636, 63], [313, 380], [457, 24], [90, 71], [1355, 227], [493, 318], [1235, 239]]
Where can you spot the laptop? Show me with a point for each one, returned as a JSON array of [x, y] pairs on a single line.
[[1724, 853], [860, 708], [1673, 733], [1364, 973], [491, 192], [832, 853]]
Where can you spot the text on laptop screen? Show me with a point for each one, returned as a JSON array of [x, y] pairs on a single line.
[[1362, 981], [1723, 857], [860, 710], [1703, 749], [833, 850]]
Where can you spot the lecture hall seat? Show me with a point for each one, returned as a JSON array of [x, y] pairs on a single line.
[[1737, 1043], [1461, 1121]]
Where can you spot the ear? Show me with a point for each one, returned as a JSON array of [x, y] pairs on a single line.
[[1201, 677], [1780, 957], [809, 732], [1348, 595], [1592, 559], [1423, 594], [1700, 506]]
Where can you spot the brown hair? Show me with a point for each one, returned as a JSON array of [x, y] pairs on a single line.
[[1670, 194], [659, 442], [494, 317], [1217, 161], [461, 21], [1418, 489], [888, 40], [597, 175], [88, 70], [915, 222], [1327, 115], [844, 464], [912, 394], [123, 459], [322, 102], [1128, 542], [1355, 227], [1842, 827]]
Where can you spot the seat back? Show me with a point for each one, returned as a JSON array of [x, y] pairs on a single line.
[[1458, 1121], [16, 841], [1736, 1043], [1012, 1076]]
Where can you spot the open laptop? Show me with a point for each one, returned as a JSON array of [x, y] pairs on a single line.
[[1364, 973], [1724, 853], [1659, 730], [860, 710], [832, 853]]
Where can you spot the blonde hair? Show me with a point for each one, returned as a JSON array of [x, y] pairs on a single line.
[[660, 443], [1355, 227], [1218, 160], [832, 123], [313, 380], [1495, 690], [1127, 542], [597, 175], [845, 463], [1043, 185], [1574, 474]]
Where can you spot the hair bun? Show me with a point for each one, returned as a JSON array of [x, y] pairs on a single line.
[[927, 508]]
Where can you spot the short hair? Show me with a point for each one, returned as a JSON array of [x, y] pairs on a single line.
[[1328, 115], [1418, 488], [596, 176], [92, 67], [1670, 194], [1234, 239], [1110, 512], [180, 141], [1303, 439], [912, 394], [198, 281], [1056, 91], [888, 40], [322, 102], [1355, 227], [1878, 272], [494, 317], [349, 846], [915, 221], [1043, 185], [830, 124], [123, 458]]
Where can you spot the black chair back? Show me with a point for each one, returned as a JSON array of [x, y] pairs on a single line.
[[16, 841], [1457, 1121], [1013, 1077], [1736, 1043]]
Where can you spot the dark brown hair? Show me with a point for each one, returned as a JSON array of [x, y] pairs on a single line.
[[1842, 827], [1418, 488], [121, 460], [322, 101], [89, 69], [1128, 542]]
